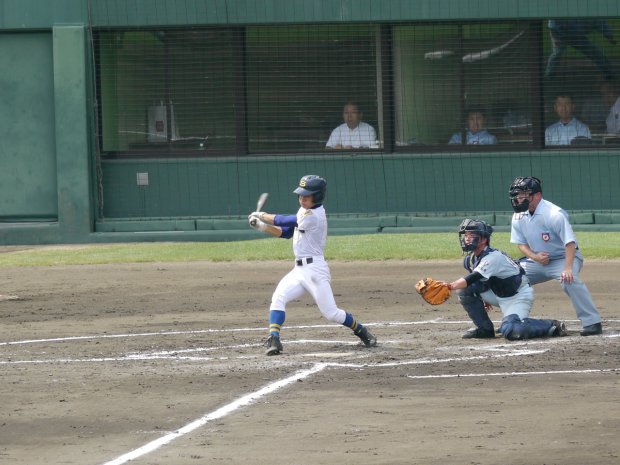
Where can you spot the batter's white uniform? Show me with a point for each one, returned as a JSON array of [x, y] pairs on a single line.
[[363, 136], [310, 273]]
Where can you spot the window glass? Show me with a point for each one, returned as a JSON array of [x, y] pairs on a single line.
[[464, 82], [580, 75], [168, 90], [300, 77]]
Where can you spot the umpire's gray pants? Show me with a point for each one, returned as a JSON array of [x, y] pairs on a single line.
[[577, 290]]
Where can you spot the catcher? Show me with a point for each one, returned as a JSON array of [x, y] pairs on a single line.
[[310, 273], [495, 279]]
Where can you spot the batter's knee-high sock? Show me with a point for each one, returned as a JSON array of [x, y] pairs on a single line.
[[276, 320], [351, 322]]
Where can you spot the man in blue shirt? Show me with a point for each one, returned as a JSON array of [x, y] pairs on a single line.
[[476, 134], [569, 127]]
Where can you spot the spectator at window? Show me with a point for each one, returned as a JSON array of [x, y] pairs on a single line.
[[569, 127], [353, 133], [611, 97], [476, 134]]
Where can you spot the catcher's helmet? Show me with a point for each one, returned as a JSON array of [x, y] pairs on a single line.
[[528, 184], [479, 227], [313, 185]]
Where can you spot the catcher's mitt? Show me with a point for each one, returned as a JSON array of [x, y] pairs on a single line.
[[433, 291]]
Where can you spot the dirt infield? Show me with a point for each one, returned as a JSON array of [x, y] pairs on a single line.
[[163, 364]]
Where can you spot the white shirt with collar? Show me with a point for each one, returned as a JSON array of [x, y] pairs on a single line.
[[363, 136], [613, 119]]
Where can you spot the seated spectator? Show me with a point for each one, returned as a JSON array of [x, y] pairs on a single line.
[[569, 127], [611, 98], [353, 133], [476, 134]]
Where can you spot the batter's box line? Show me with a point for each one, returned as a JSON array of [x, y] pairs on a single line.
[[517, 373], [434, 321], [253, 397]]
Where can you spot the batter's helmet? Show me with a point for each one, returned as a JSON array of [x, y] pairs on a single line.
[[313, 185], [521, 184], [479, 227]]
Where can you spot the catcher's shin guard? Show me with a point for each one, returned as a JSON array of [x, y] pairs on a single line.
[[474, 306], [514, 329]]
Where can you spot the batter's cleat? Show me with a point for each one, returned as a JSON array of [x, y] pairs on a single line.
[[558, 329], [367, 338], [479, 333], [592, 330], [274, 346]]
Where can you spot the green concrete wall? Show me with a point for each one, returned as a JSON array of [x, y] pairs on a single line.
[[47, 180], [27, 155], [361, 184]]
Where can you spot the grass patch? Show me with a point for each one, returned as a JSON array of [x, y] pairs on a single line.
[[431, 246]]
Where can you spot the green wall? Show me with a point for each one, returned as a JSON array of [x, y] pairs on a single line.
[[361, 184], [47, 128], [27, 155]]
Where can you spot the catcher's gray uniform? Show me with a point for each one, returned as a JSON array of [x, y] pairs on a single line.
[[503, 284]]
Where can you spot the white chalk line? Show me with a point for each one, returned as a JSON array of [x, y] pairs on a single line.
[[270, 388], [178, 354], [516, 373], [219, 413], [235, 330]]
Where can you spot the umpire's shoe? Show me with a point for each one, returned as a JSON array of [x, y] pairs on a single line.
[[479, 333], [367, 338], [274, 346], [592, 330]]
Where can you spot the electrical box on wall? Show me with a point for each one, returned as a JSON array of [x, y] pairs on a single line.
[[142, 179], [158, 123]]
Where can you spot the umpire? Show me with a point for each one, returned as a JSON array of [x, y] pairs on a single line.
[[543, 233]]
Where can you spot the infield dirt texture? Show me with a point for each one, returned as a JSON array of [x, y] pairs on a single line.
[[163, 364]]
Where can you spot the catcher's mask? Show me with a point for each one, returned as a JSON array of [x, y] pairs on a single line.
[[478, 227], [313, 185], [530, 185]]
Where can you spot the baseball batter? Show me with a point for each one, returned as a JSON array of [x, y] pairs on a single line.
[[310, 273], [496, 279], [543, 233]]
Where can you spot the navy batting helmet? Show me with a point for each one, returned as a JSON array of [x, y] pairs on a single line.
[[313, 185], [528, 184], [479, 227]]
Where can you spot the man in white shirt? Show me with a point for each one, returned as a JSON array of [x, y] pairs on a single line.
[[353, 133], [611, 98], [569, 127]]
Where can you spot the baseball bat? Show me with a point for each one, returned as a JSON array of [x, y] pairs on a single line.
[[260, 203], [262, 199]]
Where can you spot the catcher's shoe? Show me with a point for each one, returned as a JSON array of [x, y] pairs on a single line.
[[274, 346], [367, 338], [479, 333], [558, 329]]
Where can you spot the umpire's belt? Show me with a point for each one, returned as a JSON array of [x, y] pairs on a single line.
[[303, 261]]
